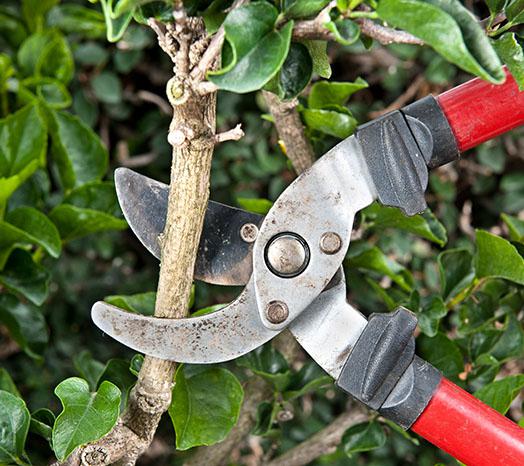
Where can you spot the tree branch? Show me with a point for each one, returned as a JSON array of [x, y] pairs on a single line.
[[323, 442], [188, 196]]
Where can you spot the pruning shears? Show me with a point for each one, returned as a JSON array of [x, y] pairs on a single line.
[[290, 264]]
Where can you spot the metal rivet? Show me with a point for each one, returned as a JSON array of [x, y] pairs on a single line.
[[330, 243], [249, 232], [287, 255], [277, 312]]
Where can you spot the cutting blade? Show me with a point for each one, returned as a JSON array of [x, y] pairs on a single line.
[[224, 257], [220, 336]]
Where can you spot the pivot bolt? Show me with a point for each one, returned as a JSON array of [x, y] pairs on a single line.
[[330, 243], [249, 232], [277, 312], [287, 255]]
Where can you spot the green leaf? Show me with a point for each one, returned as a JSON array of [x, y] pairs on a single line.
[[77, 150], [7, 384], [446, 26], [295, 73], [310, 377], [85, 416], [205, 406], [22, 275], [269, 364], [303, 8], [456, 271], [510, 50], [257, 206], [77, 19], [501, 393], [424, 225], [42, 421], [115, 27], [363, 437], [14, 425], [346, 32], [258, 50], [36, 224], [51, 90], [34, 12], [265, 417], [107, 87], [12, 28], [515, 12], [497, 257], [318, 51], [496, 5], [117, 371], [141, 303], [23, 146], [46, 54], [124, 6], [515, 227], [339, 123], [74, 222], [89, 368], [443, 353], [374, 259], [325, 93], [430, 315], [25, 323]]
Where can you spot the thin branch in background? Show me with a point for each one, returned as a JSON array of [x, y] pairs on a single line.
[[161, 103], [323, 442], [409, 94], [124, 158]]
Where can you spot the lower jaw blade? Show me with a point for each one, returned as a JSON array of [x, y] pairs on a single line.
[[221, 336]]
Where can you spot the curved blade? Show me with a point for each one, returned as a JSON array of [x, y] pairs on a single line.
[[224, 258], [223, 335]]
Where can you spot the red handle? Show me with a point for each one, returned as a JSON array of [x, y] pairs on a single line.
[[469, 430], [478, 111]]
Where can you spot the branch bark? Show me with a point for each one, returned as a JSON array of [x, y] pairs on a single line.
[[194, 115], [323, 442]]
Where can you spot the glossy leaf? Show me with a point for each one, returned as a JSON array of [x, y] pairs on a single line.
[[77, 150], [107, 87], [325, 93], [375, 260], [205, 406], [318, 51], [424, 225], [35, 223], [115, 27], [430, 315], [515, 11], [446, 26], [510, 50], [7, 384], [340, 124], [25, 323], [23, 143], [117, 371], [34, 11], [497, 257], [46, 54], [141, 303], [363, 437], [77, 19], [515, 227], [257, 206], [22, 275], [295, 73], [456, 271], [303, 8], [85, 416], [74, 222], [443, 353], [501, 393], [14, 425], [88, 368], [268, 363], [310, 377], [125, 6], [258, 50], [346, 32], [42, 421]]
